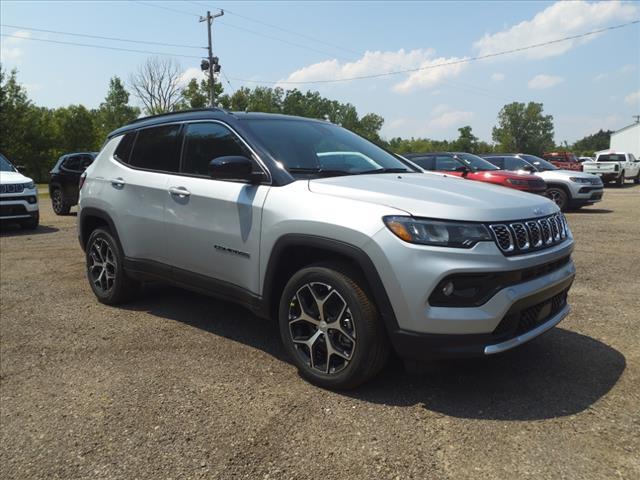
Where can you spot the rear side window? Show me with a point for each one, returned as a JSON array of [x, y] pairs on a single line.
[[157, 148], [513, 163], [447, 164], [123, 150], [423, 162], [205, 142], [72, 164], [497, 161]]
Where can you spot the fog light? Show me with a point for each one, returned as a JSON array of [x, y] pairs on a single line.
[[447, 290]]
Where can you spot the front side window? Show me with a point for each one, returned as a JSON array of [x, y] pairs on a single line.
[[474, 162], [515, 164], [207, 141], [540, 164], [497, 161], [426, 163], [157, 148], [308, 147], [446, 163]]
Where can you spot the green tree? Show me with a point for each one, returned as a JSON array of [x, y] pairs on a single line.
[[467, 141], [196, 95], [75, 129], [524, 128], [592, 143], [115, 111]]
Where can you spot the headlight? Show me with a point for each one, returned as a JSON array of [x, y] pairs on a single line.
[[436, 232], [580, 180], [29, 186], [520, 183]]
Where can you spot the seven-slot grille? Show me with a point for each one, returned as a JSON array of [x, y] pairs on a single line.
[[529, 235], [11, 188]]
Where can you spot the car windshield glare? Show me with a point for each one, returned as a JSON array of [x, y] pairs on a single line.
[[539, 163], [308, 147], [5, 165], [475, 163]]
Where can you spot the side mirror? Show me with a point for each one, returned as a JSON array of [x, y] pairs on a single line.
[[234, 167], [464, 169], [529, 168]]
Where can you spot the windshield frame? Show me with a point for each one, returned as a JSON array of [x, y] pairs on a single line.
[[545, 165]]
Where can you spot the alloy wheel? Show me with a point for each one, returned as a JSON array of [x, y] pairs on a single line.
[[557, 197], [102, 265], [56, 200], [322, 328]]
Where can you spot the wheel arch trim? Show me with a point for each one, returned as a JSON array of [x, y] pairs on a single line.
[[88, 212]]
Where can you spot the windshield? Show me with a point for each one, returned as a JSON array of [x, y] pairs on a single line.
[[5, 165], [611, 157], [309, 147], [540, 164], [476, 163]]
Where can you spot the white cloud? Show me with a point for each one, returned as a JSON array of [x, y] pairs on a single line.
[[497, 77], [190, 73], [633, 98], [561, 19], [10, 46], [544, 81], [378, 62], [443, 117], [628, 68], [600, 76]]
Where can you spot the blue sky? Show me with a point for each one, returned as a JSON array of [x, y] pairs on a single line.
[[585, 84]]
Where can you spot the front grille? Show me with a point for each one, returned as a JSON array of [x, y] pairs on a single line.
[[529, 235], [12, 188]]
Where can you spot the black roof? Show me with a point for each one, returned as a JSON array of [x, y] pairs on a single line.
[[413, 155], [200, 114]]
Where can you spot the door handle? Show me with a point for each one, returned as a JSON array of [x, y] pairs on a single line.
[[117, 182], [179, 191]]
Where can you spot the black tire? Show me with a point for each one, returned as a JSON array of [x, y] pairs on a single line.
[[620, 180], [637, 179], [32, 223], [114, 288], [368, 347], [559, 196], [58, 203]]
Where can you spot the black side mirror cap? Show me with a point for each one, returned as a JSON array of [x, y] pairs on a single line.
[[234, 167]]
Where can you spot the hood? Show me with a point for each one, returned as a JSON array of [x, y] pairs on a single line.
[[13, 177], [566, 174], [439, 196], [501, 174]]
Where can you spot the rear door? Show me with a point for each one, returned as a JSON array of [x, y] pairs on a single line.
[[213, 226], [138, 189]]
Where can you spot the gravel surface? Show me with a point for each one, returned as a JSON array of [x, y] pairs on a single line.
[[177, 385]]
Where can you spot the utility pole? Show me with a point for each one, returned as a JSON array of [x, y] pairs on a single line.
[[212, 63]]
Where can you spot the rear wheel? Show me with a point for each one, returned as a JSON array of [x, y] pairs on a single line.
[[331, 328], [60, 207], [105, 271], [637, 179], [559, 197], [620, 180]]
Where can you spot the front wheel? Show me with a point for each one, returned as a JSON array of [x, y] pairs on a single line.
[[60, 207], [331, 328], [558, 196]]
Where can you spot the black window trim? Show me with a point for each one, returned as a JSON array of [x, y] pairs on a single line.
[[183, 125]]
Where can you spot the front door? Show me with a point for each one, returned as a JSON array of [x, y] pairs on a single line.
[[213, 226]]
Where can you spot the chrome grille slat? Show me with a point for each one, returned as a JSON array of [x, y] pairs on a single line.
[[530, 235]]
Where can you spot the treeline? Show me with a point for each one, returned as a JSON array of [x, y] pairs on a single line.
[[35, 136]]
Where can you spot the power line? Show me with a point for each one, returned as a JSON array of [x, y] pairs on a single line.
[[233, 90], [445, 64], [104, 47], [100, 37], [170, 9]]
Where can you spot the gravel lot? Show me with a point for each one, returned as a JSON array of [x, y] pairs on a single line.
[[178, 385]]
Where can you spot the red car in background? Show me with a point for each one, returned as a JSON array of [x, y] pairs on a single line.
[[563, 160], [473, 167]]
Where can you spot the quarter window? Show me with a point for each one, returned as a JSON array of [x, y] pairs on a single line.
[[207, 141], [123, 150], [157, 148]]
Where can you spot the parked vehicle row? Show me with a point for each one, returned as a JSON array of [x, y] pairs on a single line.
[[18, 196], [65, 175], [356, 251]]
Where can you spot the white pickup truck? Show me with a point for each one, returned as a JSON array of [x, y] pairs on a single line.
[[614, 166]]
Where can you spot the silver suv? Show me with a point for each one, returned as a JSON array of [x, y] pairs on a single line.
[[354, 250]]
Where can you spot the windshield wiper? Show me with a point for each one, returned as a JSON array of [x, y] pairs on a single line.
[[384, 170], [319, 171]]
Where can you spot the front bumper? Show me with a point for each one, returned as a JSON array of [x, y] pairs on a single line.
[[17, 207], [588, 195], [526, 319]]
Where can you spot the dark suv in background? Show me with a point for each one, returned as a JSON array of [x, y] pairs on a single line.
[[65, 175]]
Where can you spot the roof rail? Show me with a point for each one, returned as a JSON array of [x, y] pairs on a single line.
[[212, 109]]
